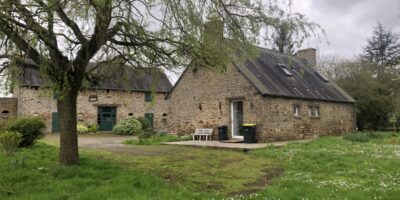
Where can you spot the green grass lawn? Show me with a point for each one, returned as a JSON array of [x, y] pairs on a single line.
[[333, 168], [42, 178], [327, 168]]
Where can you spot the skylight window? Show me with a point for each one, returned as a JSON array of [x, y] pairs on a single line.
[[285, 70]]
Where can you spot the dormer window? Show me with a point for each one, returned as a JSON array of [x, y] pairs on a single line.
[[285, 70]]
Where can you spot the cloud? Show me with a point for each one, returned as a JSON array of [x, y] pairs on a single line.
[[348, 24]]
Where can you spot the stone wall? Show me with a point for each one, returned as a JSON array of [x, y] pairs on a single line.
[[8, 110], [203, 100], [40, 102]]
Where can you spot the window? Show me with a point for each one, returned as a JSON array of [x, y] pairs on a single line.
[[81, 117], [314, 111], [148, 97], [93, 98], [285, 70], [5, 114], [296, 110]]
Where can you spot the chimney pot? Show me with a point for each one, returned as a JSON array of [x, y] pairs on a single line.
[[309, 54], [213, 31]]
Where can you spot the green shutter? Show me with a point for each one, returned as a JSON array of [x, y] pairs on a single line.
[[55, 122], [148, 97]]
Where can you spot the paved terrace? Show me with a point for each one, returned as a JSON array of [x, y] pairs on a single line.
[[232, 145]]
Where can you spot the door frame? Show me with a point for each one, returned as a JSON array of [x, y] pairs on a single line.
[[100, 112], [150, 117], [232, 120]]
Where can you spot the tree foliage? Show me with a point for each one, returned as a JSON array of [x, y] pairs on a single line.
[[373, 80], [290, 32], [383, 50], [61, 37], [374, 98], [283, 38]]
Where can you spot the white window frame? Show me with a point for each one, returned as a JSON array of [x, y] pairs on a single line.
[[296, 110], [314, 111]]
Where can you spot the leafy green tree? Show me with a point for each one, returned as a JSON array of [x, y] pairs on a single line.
[[382, 56], [383, 50], [61, 37], [375, 101]]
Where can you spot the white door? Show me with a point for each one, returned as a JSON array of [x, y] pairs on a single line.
[[237, 118]]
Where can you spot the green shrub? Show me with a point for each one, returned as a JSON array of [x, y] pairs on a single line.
[[128, 126], [10, 141], [31, 128], [163, 133], [357, 137], [82, 129], [379, 135], [146, 124], [93, 128]]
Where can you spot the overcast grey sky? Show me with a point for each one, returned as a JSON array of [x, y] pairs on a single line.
[[348, 23]]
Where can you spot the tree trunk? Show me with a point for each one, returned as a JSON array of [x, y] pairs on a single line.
[[66, 105]]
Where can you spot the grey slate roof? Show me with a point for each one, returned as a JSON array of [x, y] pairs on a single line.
[[266, 74], [112, 79]]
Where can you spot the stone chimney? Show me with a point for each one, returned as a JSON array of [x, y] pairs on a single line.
[[213, 32], [309, 54]]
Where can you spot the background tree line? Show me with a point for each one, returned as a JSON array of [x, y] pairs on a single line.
[[373, 79]]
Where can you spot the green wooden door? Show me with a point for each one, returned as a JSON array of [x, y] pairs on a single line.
[[55, 122], [150, 117], [106, 118]]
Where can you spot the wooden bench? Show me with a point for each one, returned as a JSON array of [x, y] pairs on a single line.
[[200, 132]]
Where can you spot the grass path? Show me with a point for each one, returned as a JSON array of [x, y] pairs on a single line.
[[222, 172]]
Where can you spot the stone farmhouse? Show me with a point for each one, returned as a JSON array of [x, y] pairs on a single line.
[[283, 95], [114, 98]]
